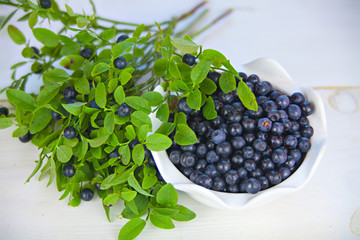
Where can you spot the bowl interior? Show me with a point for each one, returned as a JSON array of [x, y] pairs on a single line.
[[269, 70]]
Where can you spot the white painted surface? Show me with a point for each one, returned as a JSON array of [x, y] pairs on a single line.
[[317, 42]]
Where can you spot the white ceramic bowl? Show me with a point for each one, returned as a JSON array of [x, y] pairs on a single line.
[[269, 70]]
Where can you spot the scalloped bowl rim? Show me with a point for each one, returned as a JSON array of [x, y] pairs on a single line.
[[269, 70]]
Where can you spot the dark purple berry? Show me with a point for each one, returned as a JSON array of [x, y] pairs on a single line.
[[182, 106], [204, 181], [231, 177], [4, 111], [120, 63], [70, 132], [297, 98], [218, 184], [264, 124], [122, 38], [218, 136], [306, 108], [87, 194], [124, 110], [68, 171], [86, 53], [175, 156], [304, 144], [187, 159], [252, 185], [274, 177], [69, 93], [46, 4], [212, 157], [189, 59], [223, 149], [56, 116]]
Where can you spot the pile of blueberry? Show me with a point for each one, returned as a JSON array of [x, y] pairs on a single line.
[[243, 151]]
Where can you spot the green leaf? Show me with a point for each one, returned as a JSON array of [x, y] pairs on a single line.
[[56, 75], [120, 48], [185, 46], [20, 99], [135, 184], [81, 22], [160, 67], [16, 35], [119, 95], [166, 128], [217, 58], [167, 195], [167, 211], [125, 154], [230, 67], [167, 47], [82, 85], [180, 118], [132, 229], [174, 70], [154, 98], [21, 131], [127, 194], [163, 113], [194, 99], [33, 18], [184, 135], [7, 19], [100, 95], [19, 64], [247, 97], [74, 108], [28, 52], [149, 181], [111, 199], [47, 37], [125, 77], [84, 37], [138, 154], [108, 34], [227, 82], [5, 123], [138, 30], [99, 68], [208, 86], [99, 140], [158, 142], [109, 122], [139, 118], [72, 62], [39, 120], [142, 132], [200, 71], [64, 153], [138, 103], [47, 94], [183, 215], [209, 111], [130, 132], [69, 10], [161, 221]]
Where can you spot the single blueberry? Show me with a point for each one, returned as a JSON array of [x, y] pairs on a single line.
[[242, 172], [182, 106], [226, 98], [86, 53], [306, 108], [226, 110], [269, 105], [68, 171], [303, 121], [218, 136], [122, 38], [259, 145], [235, 129], [238, 106], [231, 177], [194, 175], [247, 152], [187, 159], [175, 156], [233, 116], [215, 76], [290, 162], [56, 116], [249, 138], [275, 94], [304, 144], [233, 189], [253, 78], [124, 110], [274, 177], [252, 185], [114, 154], [120, 63], [200, 164], [87, 194], [4, 111], [216, 121], [266, 164], [264, 182], [276, 141], [282, 101], [307, 131], [46, 4], [286, 123], [296, 154], [237, 159], [218, 184], [212, 157], [250, 165], [223, 166], [237, 142], [256, 173], [284, 172], [294, 112], [70, 132], [277, 128], [223, 149], [261, 99], [93, 104], [189, 59], [297, 98], [274, 115], [248, 124], [204, 181], [69, 93], [290, 141], [295, 126], [212, 171], [201, 128], [263, 88], [264, 124], [279, 156]]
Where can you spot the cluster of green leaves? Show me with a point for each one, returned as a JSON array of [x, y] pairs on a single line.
[[101, 130]]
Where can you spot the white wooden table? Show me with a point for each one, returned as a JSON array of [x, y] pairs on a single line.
[[318, 42]]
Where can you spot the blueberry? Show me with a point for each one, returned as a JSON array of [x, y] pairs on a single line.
[[257, 156], [133, 143], [182, 106], [226, 97], [286, 123], [194, 175], [242, 173], [212, 157], [248, 124], [290, 162], [256, 173], [36, 52], [303, 121], [266, 164], [188, 148], [218, 105], [284, 172], [262, 135], [237, 159], [223, 166], [216, 121], [226, 110], [201, 128], [201, 164], [212, 171], [276, 141], [261, 99], [223, 127], [69, 132], [186, 171], [290, 141], [255, 114], [269, 105], [68, 171], [56, 116], [120, 63], [87, 194], [250, 165], [263, 88], [218, 184], [264, 124], [296, 154], [238, 106], [69, 93], [275, 94], [279, 156], [46, 4], [215, 76], [307, 131], [114, 154], [238, 142], [97, 186], [4, 111], [86, 53], [124, 110], [187, 159], [233, 116], [233, 189], [259, 145], [295, 126], [249, 138], [218, 136], [210, 145], [252, 185], [274, 115], [247, 152], [282, 101], [231, 177], [174, 156], [297, 98], [122, 38], [188, 59], [264, 182], [223, 149], [277, 128], [204, 181], [93, 104], [274, 177], [304, 144], [294, 112], [235, 129], [253, 78], [283, 114], [306, 108], [250, 86]]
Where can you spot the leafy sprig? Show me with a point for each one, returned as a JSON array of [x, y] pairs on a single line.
[[111, 152]]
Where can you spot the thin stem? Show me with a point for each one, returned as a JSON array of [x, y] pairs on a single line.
[[8, 3], [186, 29]]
